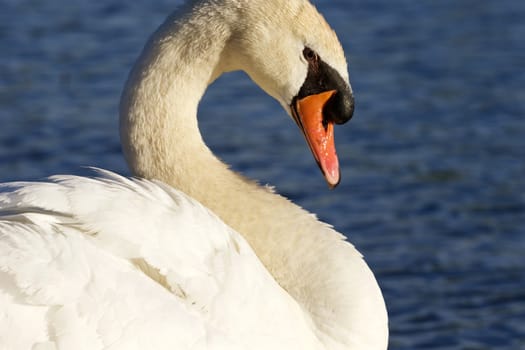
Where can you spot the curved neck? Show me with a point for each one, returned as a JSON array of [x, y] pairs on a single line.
[[161, 140], [158, 124]]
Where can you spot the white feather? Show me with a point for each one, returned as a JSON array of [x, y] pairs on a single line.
[[121, 262]]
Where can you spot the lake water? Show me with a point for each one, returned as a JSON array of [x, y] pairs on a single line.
[[433, 163]]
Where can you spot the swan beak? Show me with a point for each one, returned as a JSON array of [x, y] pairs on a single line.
[[319, 133]]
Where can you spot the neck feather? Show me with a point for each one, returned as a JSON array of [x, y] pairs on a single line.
[[161, 140]]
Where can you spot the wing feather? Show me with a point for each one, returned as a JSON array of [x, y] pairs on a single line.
[[116, 263]]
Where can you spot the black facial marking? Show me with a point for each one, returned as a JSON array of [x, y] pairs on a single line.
[[321, 77]]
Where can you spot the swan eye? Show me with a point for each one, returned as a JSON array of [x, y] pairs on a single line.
[[310, 55]]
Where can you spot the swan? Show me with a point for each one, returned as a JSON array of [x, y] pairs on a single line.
[[188, 254]]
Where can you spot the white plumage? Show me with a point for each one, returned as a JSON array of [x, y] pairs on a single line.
[[200, 257], [116, 263]]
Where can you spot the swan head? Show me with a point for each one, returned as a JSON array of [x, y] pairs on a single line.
[[291, 52]]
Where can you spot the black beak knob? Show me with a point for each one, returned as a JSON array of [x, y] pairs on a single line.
[[340, 107]]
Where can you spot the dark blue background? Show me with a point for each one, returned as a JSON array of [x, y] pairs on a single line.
[[433, 189]]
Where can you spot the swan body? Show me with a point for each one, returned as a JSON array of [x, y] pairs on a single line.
[[197, 257]]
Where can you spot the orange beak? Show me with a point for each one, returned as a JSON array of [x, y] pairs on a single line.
[[319, 133]]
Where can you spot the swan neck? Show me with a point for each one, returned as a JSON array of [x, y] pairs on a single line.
[[161, 140], [158, 110]]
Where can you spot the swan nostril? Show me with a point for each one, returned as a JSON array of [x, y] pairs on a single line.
[[339, 108]]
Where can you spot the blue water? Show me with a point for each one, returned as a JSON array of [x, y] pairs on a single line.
[[433, 163]]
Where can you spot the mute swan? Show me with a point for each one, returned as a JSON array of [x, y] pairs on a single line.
[[197, 257]]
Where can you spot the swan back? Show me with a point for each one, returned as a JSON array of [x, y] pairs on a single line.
[[199, 281]]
